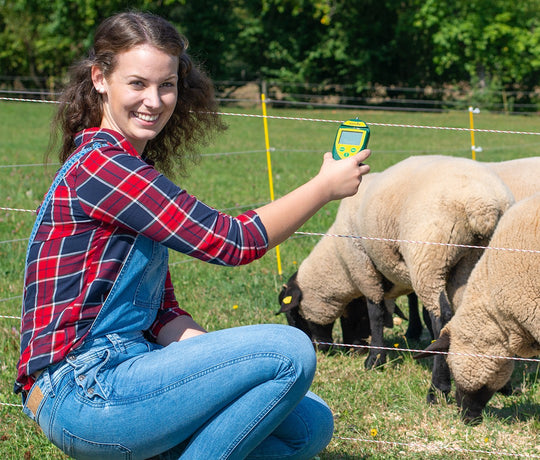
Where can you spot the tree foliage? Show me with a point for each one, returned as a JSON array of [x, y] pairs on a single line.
[[346, 42], [483, 40]]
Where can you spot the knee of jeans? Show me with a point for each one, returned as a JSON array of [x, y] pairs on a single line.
[[298, 347]]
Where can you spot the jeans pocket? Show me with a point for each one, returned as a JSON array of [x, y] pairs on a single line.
[[90, 376], [81, 448]]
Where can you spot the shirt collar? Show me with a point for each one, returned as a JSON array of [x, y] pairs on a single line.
[[112, 137]]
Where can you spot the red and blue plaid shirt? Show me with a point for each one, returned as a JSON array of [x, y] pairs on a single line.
[[106, 199]]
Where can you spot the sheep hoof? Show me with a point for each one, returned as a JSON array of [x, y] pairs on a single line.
[[434, 396], [375, 360]]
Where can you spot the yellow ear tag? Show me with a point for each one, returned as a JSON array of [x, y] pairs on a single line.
[[287, 300]]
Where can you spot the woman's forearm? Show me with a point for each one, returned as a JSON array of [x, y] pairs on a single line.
[[335, 180], [180, 328]]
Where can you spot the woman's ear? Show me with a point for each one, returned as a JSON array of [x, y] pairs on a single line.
[[98, 79]]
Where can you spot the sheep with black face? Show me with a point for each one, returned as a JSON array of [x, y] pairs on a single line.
[[434, 199], [500, 312]]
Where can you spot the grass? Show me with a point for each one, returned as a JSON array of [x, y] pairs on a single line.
[[380, 414]]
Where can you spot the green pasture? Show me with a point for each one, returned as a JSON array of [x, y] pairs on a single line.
[[380, 414]]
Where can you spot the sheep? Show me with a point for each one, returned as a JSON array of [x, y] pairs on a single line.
[[435, 198], [354, 320], [522, 176], [499, 314]]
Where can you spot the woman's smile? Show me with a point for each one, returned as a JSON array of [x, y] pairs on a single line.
[[145, 117]]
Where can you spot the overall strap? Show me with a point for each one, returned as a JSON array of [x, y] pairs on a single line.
[[59, 177]]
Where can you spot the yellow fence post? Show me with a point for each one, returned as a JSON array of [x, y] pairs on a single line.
[[269, 164], [474, 149]]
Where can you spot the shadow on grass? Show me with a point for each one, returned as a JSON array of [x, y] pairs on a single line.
[[522, 412]]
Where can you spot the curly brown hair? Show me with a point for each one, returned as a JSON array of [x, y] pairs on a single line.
[[195, 118]]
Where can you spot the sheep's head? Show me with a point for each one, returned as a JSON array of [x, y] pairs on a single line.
[[474, 387], [472, 403], [354, 320], [289, 300]]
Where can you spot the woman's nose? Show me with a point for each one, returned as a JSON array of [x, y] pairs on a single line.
[[152, 97]]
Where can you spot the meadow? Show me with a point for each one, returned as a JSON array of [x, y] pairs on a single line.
[[379, 414]]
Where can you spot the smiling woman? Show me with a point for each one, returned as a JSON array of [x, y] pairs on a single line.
[[104, 342], [162, 75]]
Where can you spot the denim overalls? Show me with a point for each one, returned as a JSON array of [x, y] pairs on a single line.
[[129, 309], [231, 394]]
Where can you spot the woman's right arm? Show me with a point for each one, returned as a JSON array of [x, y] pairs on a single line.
[[336, 179]]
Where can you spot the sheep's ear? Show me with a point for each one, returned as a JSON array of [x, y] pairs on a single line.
[[442, 344], [290, 296]]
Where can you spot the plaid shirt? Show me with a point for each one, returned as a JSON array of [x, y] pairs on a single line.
[[106, 199]]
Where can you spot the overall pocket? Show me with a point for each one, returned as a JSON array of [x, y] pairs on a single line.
[[89, 377], [150, 290]]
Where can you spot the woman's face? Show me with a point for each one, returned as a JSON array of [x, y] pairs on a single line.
[[140, 94]]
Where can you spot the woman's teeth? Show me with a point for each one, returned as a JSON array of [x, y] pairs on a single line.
[[145, 117]]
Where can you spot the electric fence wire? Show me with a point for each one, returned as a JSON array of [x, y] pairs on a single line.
[[415, 446]]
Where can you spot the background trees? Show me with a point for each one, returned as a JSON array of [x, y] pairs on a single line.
[[351, 43]]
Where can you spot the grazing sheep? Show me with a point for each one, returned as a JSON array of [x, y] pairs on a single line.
[[354, 320], [433, 198], [522, 176], [500, 312]]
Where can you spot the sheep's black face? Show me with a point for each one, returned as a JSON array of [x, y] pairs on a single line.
[[316, 332], [295, 319], [472, 404], [289, 300]]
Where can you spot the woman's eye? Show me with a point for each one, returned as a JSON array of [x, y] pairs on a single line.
[[136, 83], [168, 84]]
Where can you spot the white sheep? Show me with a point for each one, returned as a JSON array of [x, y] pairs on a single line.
[[499, 314], [437, 199], [522, 176]]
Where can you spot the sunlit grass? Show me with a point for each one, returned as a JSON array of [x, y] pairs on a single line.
[[380, 414]]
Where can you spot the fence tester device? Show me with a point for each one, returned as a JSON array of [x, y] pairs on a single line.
[[352, 136]]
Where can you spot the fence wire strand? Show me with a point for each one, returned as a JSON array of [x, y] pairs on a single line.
[[416, 446]]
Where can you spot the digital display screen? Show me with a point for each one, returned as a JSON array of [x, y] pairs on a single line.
[[351, 137]]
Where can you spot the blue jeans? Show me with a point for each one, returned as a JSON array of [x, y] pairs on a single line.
[[231, 394], [235, 393]]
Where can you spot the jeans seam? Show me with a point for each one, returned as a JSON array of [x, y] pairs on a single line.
[[58, 398], [263, 413], [120, 402]]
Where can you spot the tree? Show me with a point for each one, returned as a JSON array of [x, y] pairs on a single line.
[[483, 41]]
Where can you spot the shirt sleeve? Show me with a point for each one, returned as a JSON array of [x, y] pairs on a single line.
[[168, 311], [117, 188]]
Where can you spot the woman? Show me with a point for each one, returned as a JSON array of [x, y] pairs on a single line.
[[106, 369]]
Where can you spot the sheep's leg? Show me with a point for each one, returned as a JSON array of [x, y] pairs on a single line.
[[427, 321], [440, 374], [376, 356], [355, 324], [414, 331], [321, 335]]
